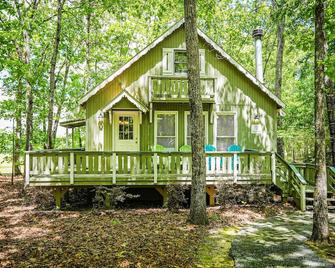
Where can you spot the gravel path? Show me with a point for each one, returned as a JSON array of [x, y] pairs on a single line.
[[278, 242]]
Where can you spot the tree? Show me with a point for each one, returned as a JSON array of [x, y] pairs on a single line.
[[279, 66], [330, 100], [320, 231], [52, 87], [198, 214]]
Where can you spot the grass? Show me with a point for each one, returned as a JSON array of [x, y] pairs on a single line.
[[214, 252]]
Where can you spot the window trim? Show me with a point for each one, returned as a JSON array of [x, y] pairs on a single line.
[[234, 113], [175, 113], [186, 113]]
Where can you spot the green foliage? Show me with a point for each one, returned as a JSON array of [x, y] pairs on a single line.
[[99, 36]]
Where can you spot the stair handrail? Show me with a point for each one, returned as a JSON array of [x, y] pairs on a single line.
[[295, 171], [296, 182], [331, 178]]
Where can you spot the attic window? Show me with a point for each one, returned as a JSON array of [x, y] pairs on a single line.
[[180, 61]]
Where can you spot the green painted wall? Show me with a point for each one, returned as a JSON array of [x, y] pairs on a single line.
[[234, 92]]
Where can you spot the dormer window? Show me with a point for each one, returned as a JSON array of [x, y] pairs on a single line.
[[180, 62]]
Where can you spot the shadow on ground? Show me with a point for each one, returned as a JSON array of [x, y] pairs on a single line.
[[278, 242]]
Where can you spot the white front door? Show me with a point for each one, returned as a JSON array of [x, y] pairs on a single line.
[[126, 131]]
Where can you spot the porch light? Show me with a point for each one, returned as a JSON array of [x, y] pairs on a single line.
[[256, 118], [101, 121]]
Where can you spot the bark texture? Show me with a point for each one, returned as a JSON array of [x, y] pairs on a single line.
[[320, 231], [279, 74], [330, 100], [24, 54], [53, 63], [198, 214]]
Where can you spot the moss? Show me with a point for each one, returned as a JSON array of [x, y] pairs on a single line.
[[214, 252], [325, 251]]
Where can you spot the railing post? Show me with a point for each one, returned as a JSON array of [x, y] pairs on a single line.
[[235, 167], [114, 167], [302, 197], [273, 167], [71, 168], [155, 168], [26, 178]]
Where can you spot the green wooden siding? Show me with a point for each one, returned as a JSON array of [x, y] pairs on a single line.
[[234, 92]]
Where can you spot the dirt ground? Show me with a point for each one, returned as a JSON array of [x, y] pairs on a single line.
[[30, 237]]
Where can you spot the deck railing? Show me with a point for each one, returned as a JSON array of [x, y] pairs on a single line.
[[66, 168], [165, 87], [308, 171]]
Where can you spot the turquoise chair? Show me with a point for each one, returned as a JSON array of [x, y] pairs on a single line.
[[210, 148], [235, 148]]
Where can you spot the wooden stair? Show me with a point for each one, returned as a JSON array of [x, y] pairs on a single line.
[[310, 199]]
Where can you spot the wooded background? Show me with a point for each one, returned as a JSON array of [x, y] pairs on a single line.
[[53, 51]]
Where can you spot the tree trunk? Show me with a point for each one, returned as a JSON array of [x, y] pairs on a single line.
[[53, 63], [88, 47], [198, 213], [279, 75], [60, 104], [330, 100], [18, 128], [320, 231]]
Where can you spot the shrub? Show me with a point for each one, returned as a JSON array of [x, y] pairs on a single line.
[[176, 197], [111, 197]]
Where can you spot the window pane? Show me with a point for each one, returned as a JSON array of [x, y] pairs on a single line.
[[167, 142], [180, 67], [222, 144], [225, 125], [126, 126], [166, 125], [180, 62], [180, 56]]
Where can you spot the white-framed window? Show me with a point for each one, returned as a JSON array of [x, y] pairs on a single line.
[[175, 61], [187, 133], [225, 130], [180, 62], [166, 129]]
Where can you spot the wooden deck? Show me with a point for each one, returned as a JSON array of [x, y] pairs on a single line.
[[88, 168]]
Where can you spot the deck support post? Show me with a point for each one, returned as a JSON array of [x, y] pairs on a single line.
[[211, 191], [273, 167], [163, 192], [58, 194]]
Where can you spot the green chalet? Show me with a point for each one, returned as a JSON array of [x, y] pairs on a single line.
[[137, 125]]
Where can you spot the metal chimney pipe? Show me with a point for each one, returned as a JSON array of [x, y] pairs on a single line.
[[257, 35]]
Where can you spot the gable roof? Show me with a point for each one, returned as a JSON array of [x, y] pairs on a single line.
[[208, 40], [120, 96]]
